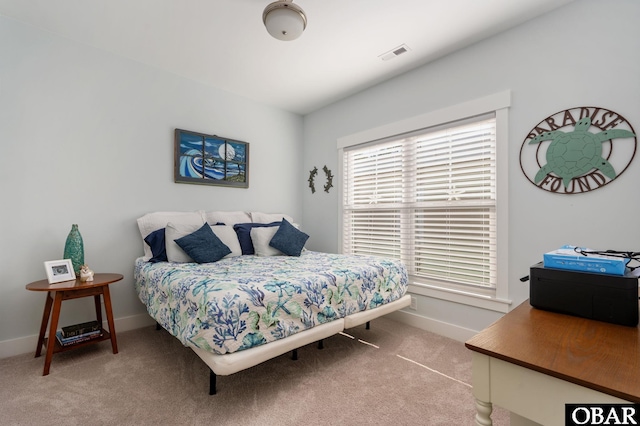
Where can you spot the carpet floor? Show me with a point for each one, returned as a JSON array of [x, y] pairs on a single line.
[[392, 374]]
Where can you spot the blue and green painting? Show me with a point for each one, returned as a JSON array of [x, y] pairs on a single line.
[[207, 157]]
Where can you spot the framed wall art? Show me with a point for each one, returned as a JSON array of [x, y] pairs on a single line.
[[210, 160]]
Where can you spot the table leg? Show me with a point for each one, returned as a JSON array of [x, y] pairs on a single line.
[[483, 413], [53, 326], [107, 308], [96, 300], [45, 321]]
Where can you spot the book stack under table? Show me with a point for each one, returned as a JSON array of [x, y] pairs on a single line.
[[77, 333]]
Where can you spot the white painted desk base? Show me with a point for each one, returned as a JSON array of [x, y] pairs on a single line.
[[533, 398]]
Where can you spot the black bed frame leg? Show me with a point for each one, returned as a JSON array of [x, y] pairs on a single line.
[[368, 326], [320, 344], [158, 326], [212, 382], [294, 354]]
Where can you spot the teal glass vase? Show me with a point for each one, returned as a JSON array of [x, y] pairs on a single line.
[[74, 248]]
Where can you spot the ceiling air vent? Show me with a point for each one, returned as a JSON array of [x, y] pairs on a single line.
[[397, 51]]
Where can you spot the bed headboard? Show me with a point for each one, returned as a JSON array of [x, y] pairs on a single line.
[[155, 221]]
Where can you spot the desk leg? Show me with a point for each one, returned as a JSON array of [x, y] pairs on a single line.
[[483, 413], [45, 321], [112, 329], [481, 379], [53, 326]]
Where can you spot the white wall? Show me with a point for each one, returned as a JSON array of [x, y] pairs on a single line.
[[86, 137], [584, 54]]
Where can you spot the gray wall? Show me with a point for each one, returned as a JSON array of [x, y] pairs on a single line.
[[584, 54], [86, 137]]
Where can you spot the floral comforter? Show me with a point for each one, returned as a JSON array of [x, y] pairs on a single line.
[[246, 301]]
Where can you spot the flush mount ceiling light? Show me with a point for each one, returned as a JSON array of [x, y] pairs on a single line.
[[284, 20]]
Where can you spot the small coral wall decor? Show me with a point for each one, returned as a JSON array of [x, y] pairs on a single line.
[[329, 183], [312, 175]]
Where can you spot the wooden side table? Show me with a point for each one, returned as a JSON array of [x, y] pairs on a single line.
[[66, 290]]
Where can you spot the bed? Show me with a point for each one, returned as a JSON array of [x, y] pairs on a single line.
[[255, 302]]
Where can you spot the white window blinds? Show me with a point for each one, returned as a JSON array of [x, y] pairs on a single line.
[[428, 198]]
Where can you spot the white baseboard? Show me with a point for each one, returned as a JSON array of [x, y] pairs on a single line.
[[23, 345], [451, 331], [27, 344]]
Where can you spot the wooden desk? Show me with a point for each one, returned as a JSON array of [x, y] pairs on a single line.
[[66, 290], [532, 362]]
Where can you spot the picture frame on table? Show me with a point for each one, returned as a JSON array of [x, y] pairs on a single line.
[[59, 271], [210, 160]]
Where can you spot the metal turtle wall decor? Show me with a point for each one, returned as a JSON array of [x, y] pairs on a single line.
[[578, 150]]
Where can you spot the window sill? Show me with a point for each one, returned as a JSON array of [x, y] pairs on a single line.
[[465, 298]]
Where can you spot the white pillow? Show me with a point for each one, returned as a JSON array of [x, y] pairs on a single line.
[[229, 237], [173, 232], [228, 218], [259, 217], [153, 221], [261, 237]]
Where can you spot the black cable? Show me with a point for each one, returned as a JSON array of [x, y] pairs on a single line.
[[629, 255]]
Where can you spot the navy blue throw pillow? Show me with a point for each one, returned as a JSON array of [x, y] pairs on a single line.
[[203, 246], [288, 239], [243, 230], [155, 241]]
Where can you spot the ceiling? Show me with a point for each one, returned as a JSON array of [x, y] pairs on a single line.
[[223, 43]]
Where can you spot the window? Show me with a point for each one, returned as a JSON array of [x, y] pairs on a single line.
[[429, 198]]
